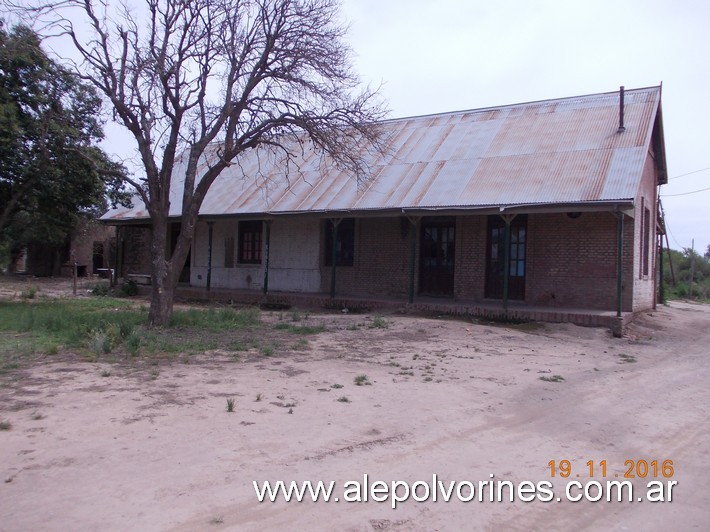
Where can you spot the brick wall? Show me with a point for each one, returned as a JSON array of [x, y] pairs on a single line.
[[645, 285], [136, 249], [381, 262], [572, 262], [470, 267]]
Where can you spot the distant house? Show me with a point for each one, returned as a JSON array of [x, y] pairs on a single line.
[[549, 204], [90, 246]]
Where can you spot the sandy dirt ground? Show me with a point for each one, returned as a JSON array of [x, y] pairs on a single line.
[[119, 446]]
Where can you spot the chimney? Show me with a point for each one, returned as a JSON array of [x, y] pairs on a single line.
[[621, 110]]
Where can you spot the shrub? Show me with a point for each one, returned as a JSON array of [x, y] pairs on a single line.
[[129, 288]]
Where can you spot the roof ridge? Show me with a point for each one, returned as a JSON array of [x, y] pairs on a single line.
[[520, 104]]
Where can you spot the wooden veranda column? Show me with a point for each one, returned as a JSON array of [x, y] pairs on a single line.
[[334, 255], [619, 263], [507, 218], [210, 228], [267, 247], [118, 272], [412, 256]]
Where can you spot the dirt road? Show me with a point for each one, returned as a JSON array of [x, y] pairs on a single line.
[[117, 447]]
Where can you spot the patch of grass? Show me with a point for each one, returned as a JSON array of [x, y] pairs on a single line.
[[129, 288], [627, 359], [554, 378], [71, 323], [267, 350], [378, 322], [230, 404], [36, 416], [99, 343], [300, 345], [240, 345], [133, 344], [343, 399], [29, 293], [105, 373], [362, 380], [300, 329], [217, 319], [259, 397], [101, 289], [336, 386], [5, 425]]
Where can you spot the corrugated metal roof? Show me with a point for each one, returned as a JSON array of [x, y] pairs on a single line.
[[554, 151]]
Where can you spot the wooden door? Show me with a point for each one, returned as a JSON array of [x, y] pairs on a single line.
[[516, 257], [438, 247]]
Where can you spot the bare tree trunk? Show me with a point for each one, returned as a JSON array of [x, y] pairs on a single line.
[[161, 301], [166, 269]]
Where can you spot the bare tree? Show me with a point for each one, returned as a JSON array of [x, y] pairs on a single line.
[[207, 80]]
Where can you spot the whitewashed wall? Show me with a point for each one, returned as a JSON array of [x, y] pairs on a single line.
[[294, 259]]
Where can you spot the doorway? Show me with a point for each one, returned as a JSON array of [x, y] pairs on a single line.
[[438, 247], [185, 272], [495, 257]]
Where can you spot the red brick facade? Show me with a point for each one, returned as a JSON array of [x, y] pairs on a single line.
[[571, 262]]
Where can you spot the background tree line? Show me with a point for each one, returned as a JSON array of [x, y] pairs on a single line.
[[677, 280], [53, 175]]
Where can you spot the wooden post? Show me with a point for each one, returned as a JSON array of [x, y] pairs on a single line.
[[619, 263], [210, 228], [74, 271], [267, 248], [692, 269], [412, 257], [661, 289], [507, 218], [334, 255]]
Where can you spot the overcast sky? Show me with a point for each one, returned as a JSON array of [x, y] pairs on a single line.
[[449, 55], [436, 56]]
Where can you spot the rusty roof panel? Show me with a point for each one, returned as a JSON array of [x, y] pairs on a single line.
[[555, 151]]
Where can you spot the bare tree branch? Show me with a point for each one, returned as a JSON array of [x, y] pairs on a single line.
[[185, 75]]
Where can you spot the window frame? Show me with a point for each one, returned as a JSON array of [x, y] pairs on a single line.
[[345, 254], [250, 248]]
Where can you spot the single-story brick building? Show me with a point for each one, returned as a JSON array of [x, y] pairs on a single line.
[[546, 204]]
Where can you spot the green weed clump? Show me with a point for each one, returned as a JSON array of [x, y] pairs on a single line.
[[362, 380], [217, 319], [378, 322]]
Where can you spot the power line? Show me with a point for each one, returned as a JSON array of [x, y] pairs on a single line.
[[685, 193], [689, 173], [673, 236]]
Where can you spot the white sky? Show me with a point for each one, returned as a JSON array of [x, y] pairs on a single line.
[[449, 55], [446, 55]]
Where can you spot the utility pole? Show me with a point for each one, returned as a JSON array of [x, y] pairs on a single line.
[[692, 268]]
